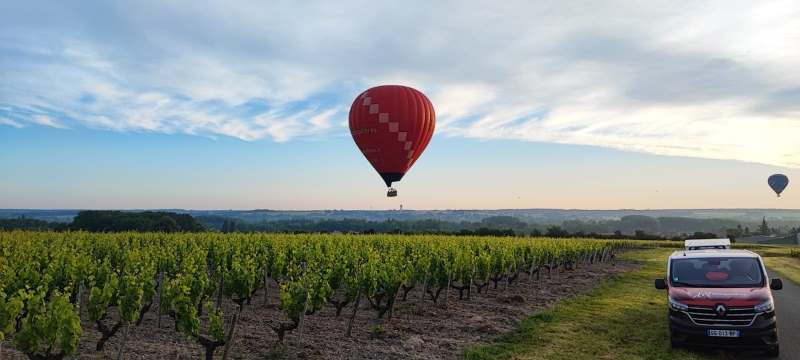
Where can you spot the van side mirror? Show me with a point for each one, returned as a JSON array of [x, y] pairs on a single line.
[[776, 284], [661, 284]]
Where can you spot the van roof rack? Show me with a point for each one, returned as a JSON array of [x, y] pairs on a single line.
[[703, 244]]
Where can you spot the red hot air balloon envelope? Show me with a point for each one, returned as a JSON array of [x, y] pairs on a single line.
[[392, 125]]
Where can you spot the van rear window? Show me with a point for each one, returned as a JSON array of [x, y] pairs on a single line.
[[716, 272]]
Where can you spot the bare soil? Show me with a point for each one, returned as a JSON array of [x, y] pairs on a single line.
[[417, 330]]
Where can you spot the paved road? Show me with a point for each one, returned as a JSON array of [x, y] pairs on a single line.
[[787, 307]]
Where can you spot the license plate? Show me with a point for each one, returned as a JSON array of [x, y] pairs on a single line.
[[723, 333]]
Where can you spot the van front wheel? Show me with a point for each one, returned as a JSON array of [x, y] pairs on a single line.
[[773, 352], [674, 344]]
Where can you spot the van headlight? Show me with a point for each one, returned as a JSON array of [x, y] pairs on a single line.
[[766, 306], [678, 306]]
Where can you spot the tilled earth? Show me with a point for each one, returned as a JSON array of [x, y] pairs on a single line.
[[417, 330]]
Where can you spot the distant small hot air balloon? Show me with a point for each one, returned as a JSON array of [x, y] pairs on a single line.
[[392, 125], [778, 183]]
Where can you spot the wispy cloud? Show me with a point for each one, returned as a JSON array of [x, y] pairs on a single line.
[[710, 79], [46, 120], [10, 122]]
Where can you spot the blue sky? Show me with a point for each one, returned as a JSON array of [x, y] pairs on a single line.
[[244, 104]]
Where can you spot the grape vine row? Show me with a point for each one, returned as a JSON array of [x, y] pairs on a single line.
[[46, 277]]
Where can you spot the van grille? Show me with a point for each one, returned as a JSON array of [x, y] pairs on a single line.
[[734, 316]]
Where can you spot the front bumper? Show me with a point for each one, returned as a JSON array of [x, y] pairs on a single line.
[[761, 334]]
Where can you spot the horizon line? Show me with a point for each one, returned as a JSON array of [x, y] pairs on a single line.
[[394, 209]]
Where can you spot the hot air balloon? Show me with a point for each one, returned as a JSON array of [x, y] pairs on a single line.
[[778, 183], [392, 125]]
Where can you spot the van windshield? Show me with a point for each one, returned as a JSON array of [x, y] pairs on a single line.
[[717, 272]]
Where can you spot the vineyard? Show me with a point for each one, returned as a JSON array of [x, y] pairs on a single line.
[[54, 287]]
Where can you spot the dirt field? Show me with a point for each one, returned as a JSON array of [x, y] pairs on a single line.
[[418, 330]]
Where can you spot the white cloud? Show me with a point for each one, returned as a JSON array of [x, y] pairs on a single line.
[[714, 79], [47, 121], [459, 101], [10, 122]]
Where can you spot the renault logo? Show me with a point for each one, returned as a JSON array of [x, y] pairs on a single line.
[[721, 310]]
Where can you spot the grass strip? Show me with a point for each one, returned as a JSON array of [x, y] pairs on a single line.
[[623, 318], [787, 267]]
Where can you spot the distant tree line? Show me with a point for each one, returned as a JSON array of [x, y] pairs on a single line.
[[24, 223], [627, 227], [665, 226], [491, 226], [112, 221], [763, 229], [498, 225]]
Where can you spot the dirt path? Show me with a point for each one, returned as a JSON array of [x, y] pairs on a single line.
[[418, 330]]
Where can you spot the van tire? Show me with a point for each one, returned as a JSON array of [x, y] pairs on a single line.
[[773, 352], [674, 344]]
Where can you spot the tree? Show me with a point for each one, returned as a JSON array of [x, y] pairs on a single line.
[[735, 232], [556, 231], [24, 223], [166, 224], [763, 229], [114, 221]]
